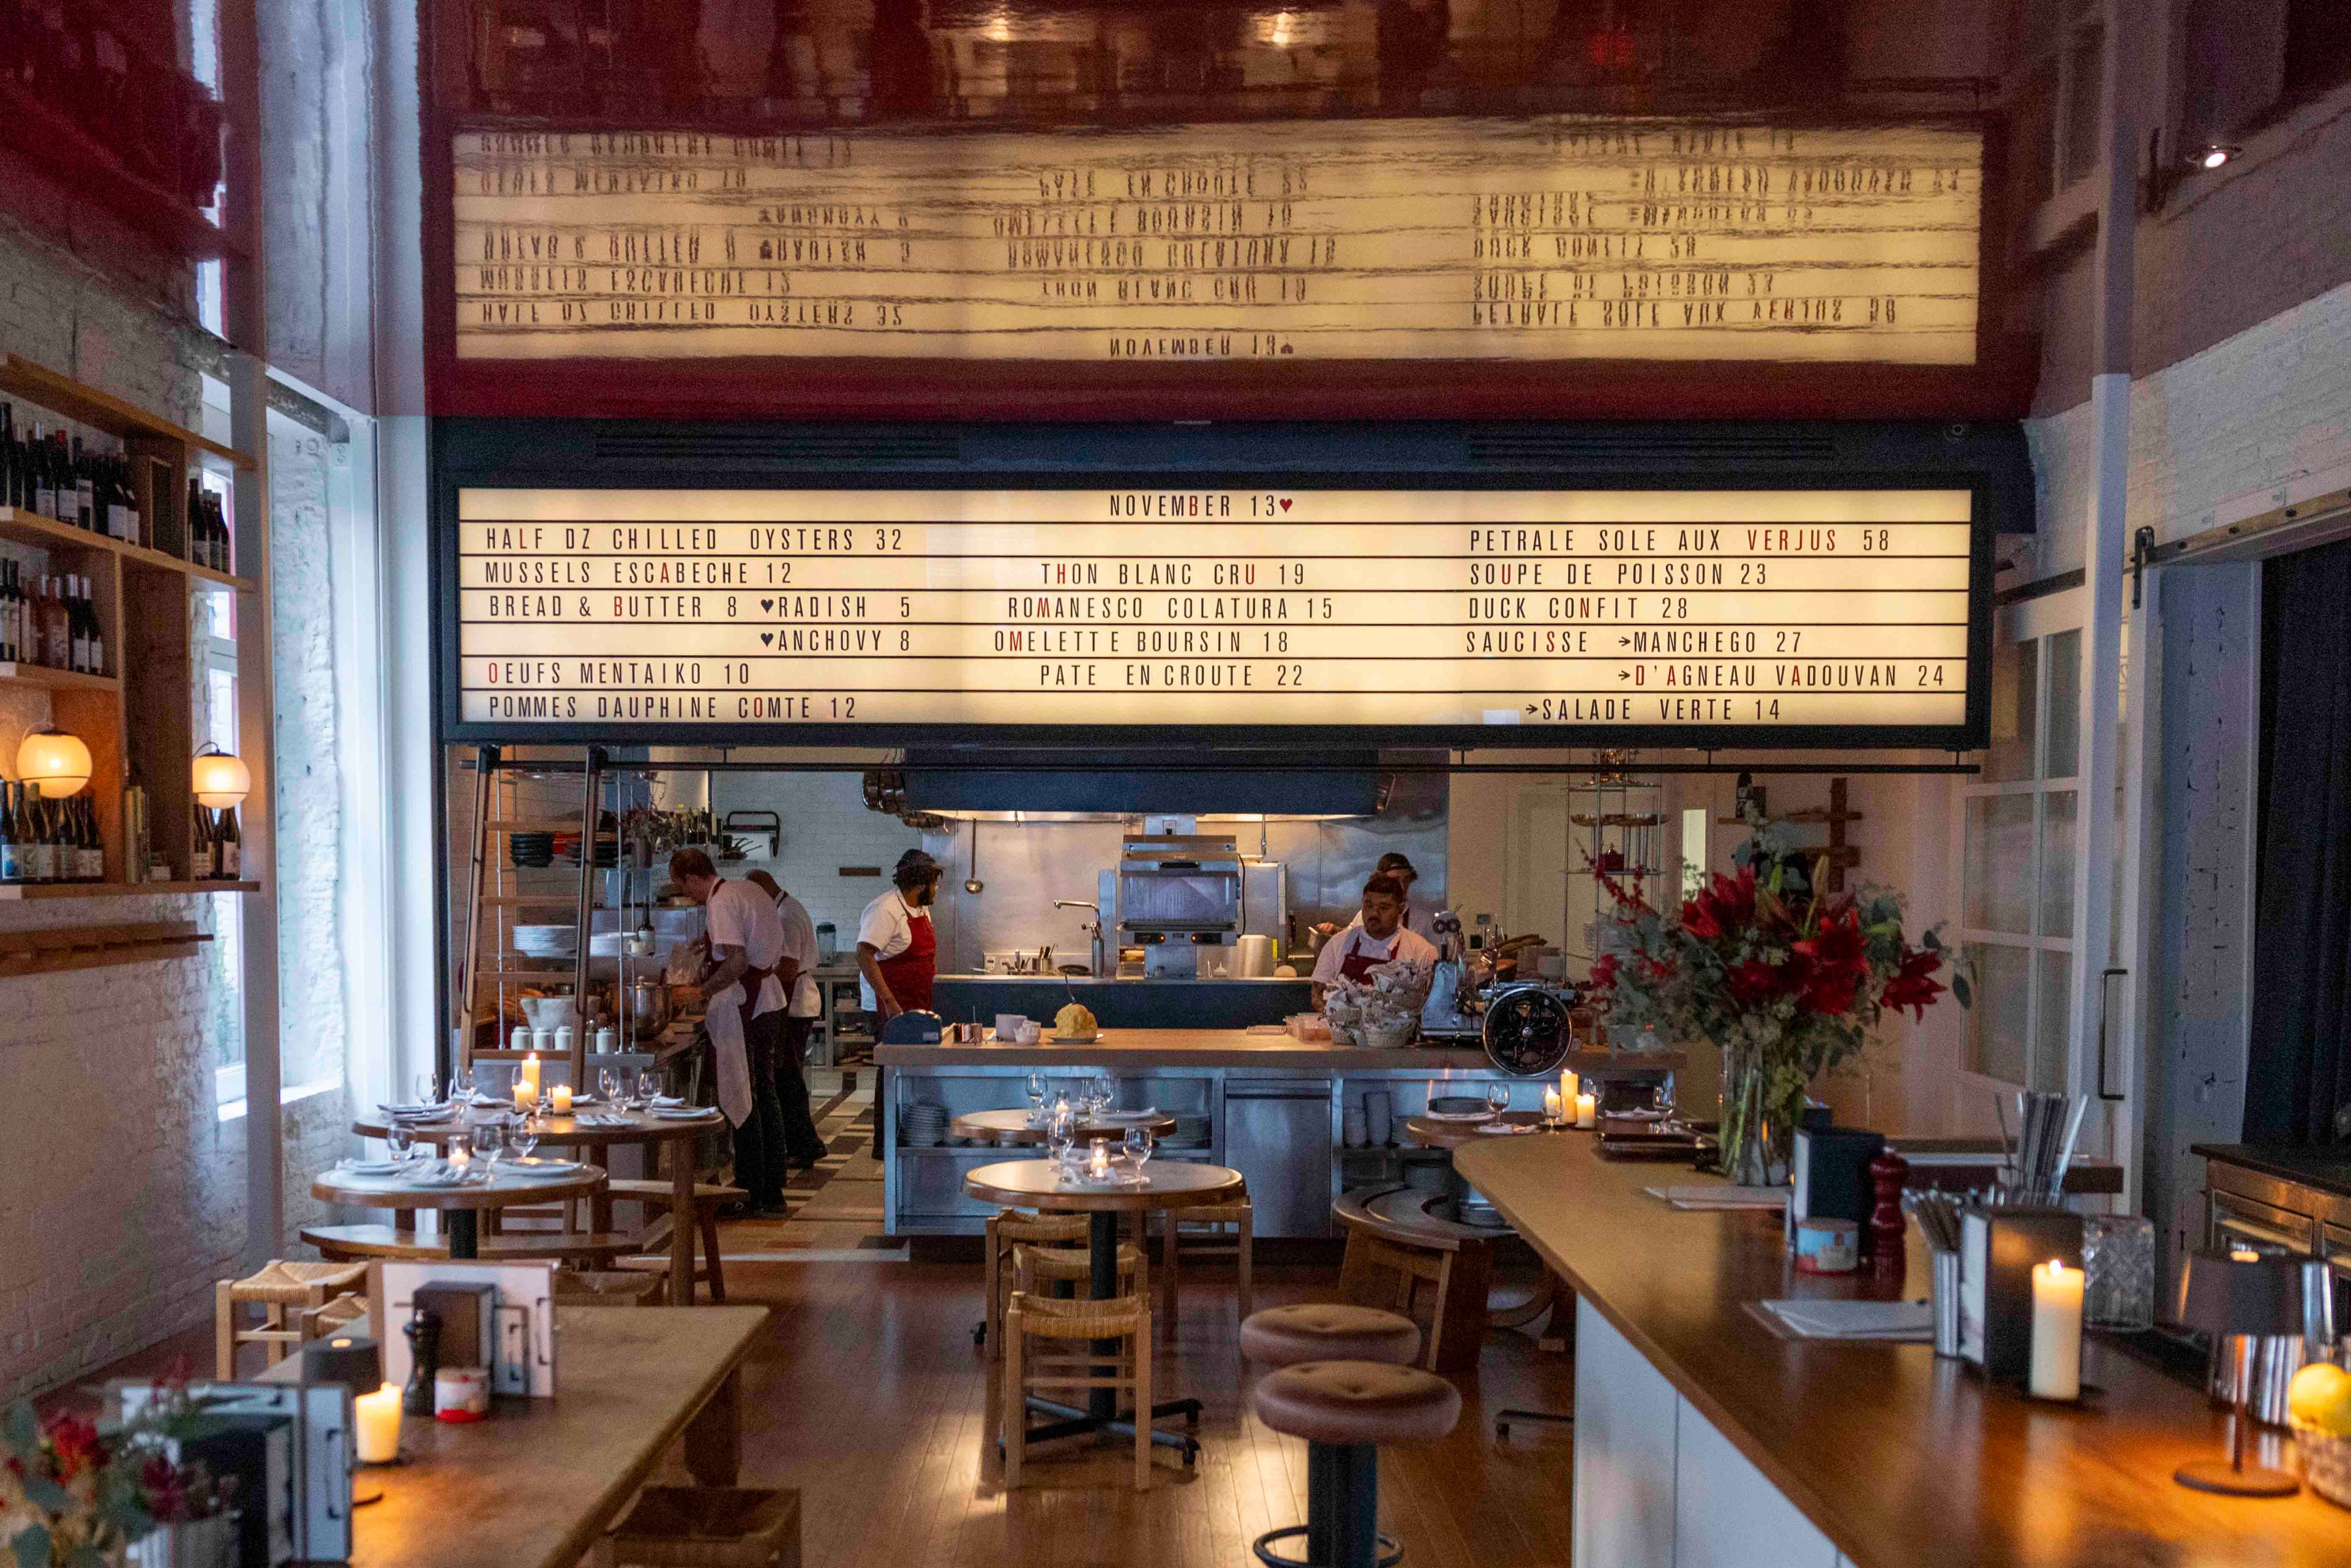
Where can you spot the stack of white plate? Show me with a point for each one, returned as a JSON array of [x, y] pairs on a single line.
[[923, 1126], [604, 944], [547, 941], [1191, 1132]]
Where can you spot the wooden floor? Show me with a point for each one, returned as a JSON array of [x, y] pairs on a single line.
[[868, 1396]]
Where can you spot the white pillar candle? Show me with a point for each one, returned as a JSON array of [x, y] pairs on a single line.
[[525, 1095], [563, 1098], [1570, 1086], [530, 1072], [2056, 1331], [1552, 1104], [378, 1417], [1099, 1165], [1587, 1111]]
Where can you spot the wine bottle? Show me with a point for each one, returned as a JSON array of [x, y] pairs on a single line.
[[93, 847], [123, 510], [85, 475], [77, 628], [58, 627], [7, 611], [200, 847], [40, 855], [45, 487], [7, 446], [229, 857], [97, 632], [11, 864]]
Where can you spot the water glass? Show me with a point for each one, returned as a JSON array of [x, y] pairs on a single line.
[[1498, 1097], [1061, 1132], [462, 1086], [399, 1141], [649, 1086], [1137, 1143], [522, 1135], [489, 1142], [1102, 1094], [428, 1089], [1035, 1087]]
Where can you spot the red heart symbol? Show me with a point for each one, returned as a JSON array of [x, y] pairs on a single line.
[[1285, 503]]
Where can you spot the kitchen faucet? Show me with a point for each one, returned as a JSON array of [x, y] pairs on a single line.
[[1093, 929]]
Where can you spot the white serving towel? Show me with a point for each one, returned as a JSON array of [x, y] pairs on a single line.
[[724, 1022], [1855, 1319]]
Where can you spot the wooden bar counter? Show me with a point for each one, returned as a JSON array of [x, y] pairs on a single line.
[[1145, 1049], [1703, 1437]]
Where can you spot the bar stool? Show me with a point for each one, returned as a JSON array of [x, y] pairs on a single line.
[[1346, 1410], [1329, 1331], [708, 1200], [1007, 1229], [279, 1285]]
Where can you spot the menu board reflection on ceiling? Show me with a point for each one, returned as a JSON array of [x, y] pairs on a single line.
[[1546, 239], [1654, 617]]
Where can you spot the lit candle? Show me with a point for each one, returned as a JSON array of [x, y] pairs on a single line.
[[1587, 1111], [1570, 1086], [530, 1073], [563, 1098], [461, 1154], [1098, 1167], [2056, 1331], [526, 1094], [1551, 1103], [378, 1415]]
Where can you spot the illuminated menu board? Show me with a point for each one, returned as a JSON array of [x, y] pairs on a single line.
[[1648, 613], [1543, 238]]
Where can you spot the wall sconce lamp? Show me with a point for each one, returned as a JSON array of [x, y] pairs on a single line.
[[219, 778], [57, 762], [2164, 175]]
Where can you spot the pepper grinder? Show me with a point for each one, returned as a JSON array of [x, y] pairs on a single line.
[[1887, 1173], [424, 1331]]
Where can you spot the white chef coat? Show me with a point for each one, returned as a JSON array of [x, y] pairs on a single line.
[[800, 946], [740, 916], [1407, 944], [888, 923]]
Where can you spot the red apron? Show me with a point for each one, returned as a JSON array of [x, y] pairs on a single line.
[[1354, 965], [910, 973]]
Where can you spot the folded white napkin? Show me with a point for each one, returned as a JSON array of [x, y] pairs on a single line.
[[1856, 1320]]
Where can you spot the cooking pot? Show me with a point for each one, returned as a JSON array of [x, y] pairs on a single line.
[[1253, 958]]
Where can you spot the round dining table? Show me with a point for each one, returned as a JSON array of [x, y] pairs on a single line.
[[460, 1204], [999, 1126], [1434, 1133], [1163, 1184], [593, 1127]]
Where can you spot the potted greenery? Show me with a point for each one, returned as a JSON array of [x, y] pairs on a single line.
[[75, 1494]]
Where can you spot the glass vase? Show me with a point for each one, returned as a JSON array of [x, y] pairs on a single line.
[[1761, 1112]]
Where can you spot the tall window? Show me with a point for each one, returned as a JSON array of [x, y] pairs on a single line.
[[215, 656], [2020, 817]]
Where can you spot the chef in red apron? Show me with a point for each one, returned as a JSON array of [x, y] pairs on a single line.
[[1382, 938], [898, 953]]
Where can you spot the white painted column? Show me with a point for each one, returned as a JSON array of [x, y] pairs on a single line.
[[2094, 839]]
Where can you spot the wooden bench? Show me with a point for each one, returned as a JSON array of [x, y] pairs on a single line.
[[1394, 1247], [346, 1243]]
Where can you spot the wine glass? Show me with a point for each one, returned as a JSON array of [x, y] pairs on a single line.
[[649, 1086], [1137, 1143], [522, 1135], [1035, 1086], [1498, 1097], [1062, 1132], [1101, 1093], [461, 1087], [428, 1089], [489, 1141], [399, 1141], [609, 1082]]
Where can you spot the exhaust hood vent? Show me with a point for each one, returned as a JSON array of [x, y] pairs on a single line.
[[1600, 448], [777, 449], [1330, 784]]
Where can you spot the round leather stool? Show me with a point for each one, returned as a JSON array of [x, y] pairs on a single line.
[[1329, 1331], [1345, 1410]]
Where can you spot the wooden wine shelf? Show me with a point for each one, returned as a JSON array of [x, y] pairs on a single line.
[[54, 680], [43, 533], [98, 947], [104, 411], [41, 889]]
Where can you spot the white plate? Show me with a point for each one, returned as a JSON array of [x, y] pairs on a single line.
[[1075, 1039], [680, 1113], [1458, 1116], [373, 1167], [1510, 1129], [1149, 1114], [535, 1167]]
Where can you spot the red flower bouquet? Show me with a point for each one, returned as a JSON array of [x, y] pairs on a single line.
[[1787, 980]]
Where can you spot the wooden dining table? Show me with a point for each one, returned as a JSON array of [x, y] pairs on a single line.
[[539, 1482], [1171, 1183], [460, 1205], [571, 1132]]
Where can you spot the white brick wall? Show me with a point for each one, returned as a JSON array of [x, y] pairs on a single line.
[[126, 1193]]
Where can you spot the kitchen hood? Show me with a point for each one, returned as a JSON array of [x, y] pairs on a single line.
[[995, 778]]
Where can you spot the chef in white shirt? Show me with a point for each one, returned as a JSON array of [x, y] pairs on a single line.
[[796, 969], [745, 1018], [1418, 918], [1380, 936]]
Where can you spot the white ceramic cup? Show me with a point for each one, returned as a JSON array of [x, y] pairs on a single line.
[[523, 1037], [1008, 1026], [563, 1040], [542, 1041]]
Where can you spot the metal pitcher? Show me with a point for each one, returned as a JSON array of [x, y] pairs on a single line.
[[650, 1006]]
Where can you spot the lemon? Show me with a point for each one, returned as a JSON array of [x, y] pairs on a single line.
[[2320, 1395]]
